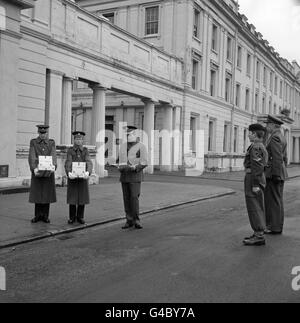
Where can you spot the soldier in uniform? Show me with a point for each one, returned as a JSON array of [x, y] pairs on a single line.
[[276, 175], [255, 162], [132, 161], [78, 188], [42, 190]]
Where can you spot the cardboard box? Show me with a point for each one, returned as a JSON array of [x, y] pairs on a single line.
[[46, 164], [79, 169]]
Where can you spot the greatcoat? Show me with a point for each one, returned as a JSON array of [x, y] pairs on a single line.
[[276, 174], [42, 190], [78, 189]]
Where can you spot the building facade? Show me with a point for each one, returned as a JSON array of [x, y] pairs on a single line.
[[42, 54], [171, 65], [231, 74]]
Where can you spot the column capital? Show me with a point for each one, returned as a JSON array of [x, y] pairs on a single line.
[[147, 100], [97, 86], [58, 73], [68, 79], [166, 104]]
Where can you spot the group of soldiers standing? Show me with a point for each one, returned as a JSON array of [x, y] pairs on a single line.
[[132, 160], [265, 166]]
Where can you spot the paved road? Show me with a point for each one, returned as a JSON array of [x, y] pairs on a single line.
[[187, 254]]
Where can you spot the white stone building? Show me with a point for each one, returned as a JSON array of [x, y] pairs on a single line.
[[175, 65], [231, 74]]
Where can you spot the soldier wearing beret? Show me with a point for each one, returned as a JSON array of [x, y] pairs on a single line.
[[276, 175], [255, 162], [133, 159], [78, 188], [42, 190]]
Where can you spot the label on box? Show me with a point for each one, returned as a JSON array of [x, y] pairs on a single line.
[[46, 163], [79, 169]]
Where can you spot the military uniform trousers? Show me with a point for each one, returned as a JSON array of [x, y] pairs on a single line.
[[42, 194], [77, 197], [76, 212], [41, 211], [255, 206], [131, 195], [274, 205]]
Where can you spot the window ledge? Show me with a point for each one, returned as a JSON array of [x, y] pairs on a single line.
[[152, 36]]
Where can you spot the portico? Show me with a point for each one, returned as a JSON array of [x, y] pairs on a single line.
[[40, 71]]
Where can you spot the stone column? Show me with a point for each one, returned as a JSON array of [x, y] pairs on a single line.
[[177, 141], [167, 132], [98, 127], [54, 84], [149, 116], [66, 119], [296, 151], [130, 116]]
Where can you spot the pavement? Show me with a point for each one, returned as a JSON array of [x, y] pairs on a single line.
[[188, 254], [158, 193], [293, 172], [106, 206]]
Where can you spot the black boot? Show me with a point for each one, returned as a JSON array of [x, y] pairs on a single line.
[[72, 214], [80, 214]]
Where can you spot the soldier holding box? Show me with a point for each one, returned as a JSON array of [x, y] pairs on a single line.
[[42, 190], [78, 184]]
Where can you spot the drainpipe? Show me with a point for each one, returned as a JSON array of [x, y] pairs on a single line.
[[233, 100], [185, 73]]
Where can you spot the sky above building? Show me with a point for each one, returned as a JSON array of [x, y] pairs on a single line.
[[279, 23]]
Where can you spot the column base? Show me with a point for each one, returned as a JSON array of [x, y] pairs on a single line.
[[166, 168]]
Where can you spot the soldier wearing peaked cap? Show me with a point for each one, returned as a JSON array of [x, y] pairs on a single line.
[[78, 186], [276, 175], [42, 189], [255, 182], [133, 159]]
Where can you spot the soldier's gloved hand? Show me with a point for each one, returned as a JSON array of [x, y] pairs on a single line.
[[36, 171], [86, 175], [255, 189], [276, 179], [71, 176]]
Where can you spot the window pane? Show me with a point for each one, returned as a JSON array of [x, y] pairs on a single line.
[[152, 15], [210, 135], [195, 75], [196, 23]]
